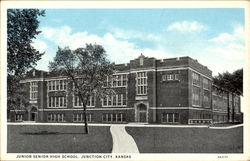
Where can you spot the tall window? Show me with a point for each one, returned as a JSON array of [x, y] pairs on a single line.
[[196, 96], [57, 101], [206, 101], [78, 101], [141, 83], [33, 90], [196, 79], [205, 83], [114, 100]]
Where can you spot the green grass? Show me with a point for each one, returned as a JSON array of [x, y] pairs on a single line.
[[58, 139], [187, 140]]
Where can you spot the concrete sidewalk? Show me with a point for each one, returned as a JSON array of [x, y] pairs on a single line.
[[122, 141], [127, 125]]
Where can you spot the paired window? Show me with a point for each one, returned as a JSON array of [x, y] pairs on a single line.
[[57, 85], [114, 117], [19, 117], [114, 100], [141, 83], [78, 101], [56, 117], [57, 101], [170, 117], [33, 90], [79, 117]]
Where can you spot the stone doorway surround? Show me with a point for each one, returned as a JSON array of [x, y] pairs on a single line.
[[141, 111], [32, 113]]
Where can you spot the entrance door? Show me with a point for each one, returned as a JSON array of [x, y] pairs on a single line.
[[33, 116], [142, 117], [142, 113]]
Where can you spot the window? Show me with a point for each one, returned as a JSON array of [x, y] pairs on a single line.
[[164, 77], [206, 100], [61, 84], [50, 85], [57, 101], [124, 80], [19, 117], [119, 102], [78, 101], [53, 85], [176, 77], [196, 96], [114, 100], [33, 90], [113, 117], [205, 83], [170, 117], [120, 80], [56, 85], [79, 117], [124, 100], [141, 83], [56, 117], [170, 77], [196, 79]]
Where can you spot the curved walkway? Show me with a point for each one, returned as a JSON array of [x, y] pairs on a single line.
[[122, 141]]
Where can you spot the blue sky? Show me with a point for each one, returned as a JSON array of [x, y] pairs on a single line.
[[215, 37]]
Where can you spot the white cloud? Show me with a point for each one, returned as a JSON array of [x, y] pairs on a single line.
[[186, 26], [236, 36], [220, 53], [230, 45], [131, 34], [119, 51], [39, 45]]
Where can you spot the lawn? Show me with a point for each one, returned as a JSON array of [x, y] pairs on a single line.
[[187, 140], [58, 139]]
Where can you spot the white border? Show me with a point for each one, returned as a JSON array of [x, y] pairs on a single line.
[[130, 4]]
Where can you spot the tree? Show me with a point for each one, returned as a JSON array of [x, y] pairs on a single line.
[[22, 28], [230, 82], [88, 69]]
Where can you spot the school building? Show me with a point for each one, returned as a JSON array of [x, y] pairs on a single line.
[[167, 91]]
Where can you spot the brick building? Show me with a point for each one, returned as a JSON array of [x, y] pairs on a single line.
[[175, 91]]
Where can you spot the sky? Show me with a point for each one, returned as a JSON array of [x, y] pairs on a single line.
[[213, 36]]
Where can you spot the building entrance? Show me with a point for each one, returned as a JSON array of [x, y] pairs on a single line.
[[33, 114], [142, 113]]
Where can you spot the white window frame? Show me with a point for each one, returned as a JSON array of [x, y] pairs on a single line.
[[33, 90], [141, 83], [53, 83]]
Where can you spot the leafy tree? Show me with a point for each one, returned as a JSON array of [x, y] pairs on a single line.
[[88, 69], [230, 82], [22, 28]]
